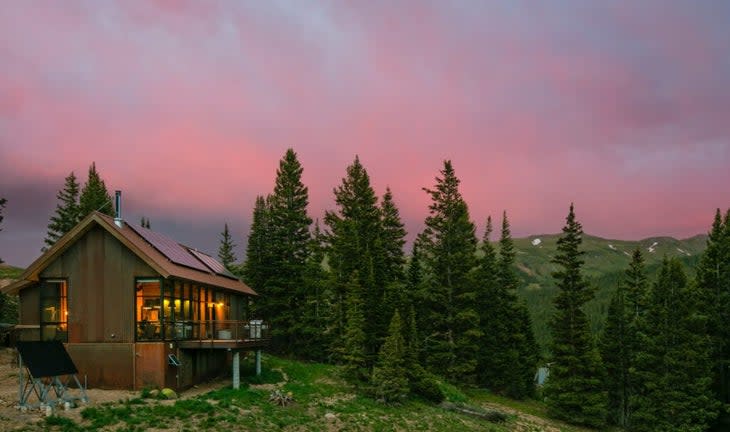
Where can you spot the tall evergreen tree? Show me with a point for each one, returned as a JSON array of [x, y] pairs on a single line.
[[226, 252], [521, 348], [617, 358], [509, 352], [352, 350], [620, 343], [713, 280], [492, 315], [67, 213], [289, 249], [394, 237], [390, 377], [355, 246], [449, 246], [674, 365], [574, 390], [317, 311], [94, 195], [257, 269]]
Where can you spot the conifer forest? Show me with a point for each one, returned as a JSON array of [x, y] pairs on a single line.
[[343, 290]]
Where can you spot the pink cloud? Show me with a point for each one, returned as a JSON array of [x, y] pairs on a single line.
[[197, 101]]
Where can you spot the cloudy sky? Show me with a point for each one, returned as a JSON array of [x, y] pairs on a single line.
[[186, 106]]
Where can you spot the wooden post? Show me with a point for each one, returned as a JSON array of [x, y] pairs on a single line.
[[236, 370], [258, 362]]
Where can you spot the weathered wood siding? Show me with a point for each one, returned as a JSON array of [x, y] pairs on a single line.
[[105, 365], [100, 271], [30, 305]]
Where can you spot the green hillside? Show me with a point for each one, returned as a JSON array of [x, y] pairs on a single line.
[[321, 400], [9, 272], [605, 263]]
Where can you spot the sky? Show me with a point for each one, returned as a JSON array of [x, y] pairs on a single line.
[[621, 107]]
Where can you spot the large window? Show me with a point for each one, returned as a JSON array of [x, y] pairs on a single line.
[[175, 309], [54, 310], [149, 311]]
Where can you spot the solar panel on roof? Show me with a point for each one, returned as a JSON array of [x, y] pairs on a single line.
[[174, 251], [213, 264]]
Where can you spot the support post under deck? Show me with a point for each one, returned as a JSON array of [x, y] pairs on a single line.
[[236, 370], [258, 362]]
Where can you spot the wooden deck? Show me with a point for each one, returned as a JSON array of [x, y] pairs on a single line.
[[223, 344]]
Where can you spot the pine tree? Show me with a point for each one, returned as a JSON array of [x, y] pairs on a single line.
[[355, 246], [393, 238], [713, 280], [352, 349], [289, 249], [574, 389], [492, 310], [226, 253], [449, 245], [620, 343], [257, 269], [509, 353], [316, 312], [94, 196], [617, 358], [674, 365], [390, 377], [67, 213], [520, 346]]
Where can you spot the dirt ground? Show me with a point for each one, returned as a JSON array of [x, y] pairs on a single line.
[[11, 418]]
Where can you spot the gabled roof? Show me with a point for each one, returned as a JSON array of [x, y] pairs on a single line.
[[135, 243]]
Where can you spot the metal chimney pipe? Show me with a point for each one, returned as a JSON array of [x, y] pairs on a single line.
[[118, 204]]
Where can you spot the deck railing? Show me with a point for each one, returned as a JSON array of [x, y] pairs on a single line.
[[236, 330]]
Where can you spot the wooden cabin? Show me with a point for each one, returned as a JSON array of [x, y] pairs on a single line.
[[136, 309]]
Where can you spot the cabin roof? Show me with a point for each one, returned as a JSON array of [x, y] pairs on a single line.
[[136, 243]]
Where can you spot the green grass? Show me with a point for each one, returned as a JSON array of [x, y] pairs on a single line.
[[317, 389]]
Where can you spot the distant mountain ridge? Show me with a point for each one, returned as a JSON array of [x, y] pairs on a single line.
[[605, 263]]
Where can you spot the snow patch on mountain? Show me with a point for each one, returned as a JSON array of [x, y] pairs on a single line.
[[536, 242], [627, 254], [612, 247], [684, 252], [653, 246]]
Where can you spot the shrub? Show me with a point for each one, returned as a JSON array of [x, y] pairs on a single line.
[[427, 387]]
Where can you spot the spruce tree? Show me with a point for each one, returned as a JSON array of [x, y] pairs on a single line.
[[674, 365], [509, 353], [713, 280], [316, 338], [94, 195], [520, 349], [352, 349], [574, 389], [620, 343], [289, 246], [390, 377], [393, 238], [257, 269], [451, 322], [615, 353], [67, 213], [226, 253], [355, 246], [490, 305]]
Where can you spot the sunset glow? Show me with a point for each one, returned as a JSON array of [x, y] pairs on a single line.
[[187, 107]]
